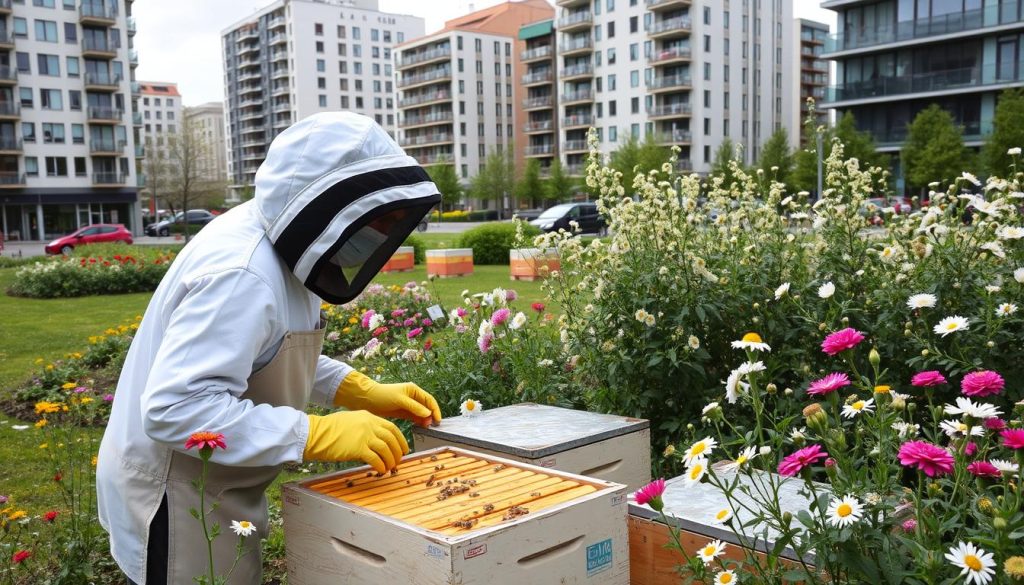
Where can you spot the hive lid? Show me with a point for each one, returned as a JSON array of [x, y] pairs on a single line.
[[693, 507], [455, 492], [531, 430]]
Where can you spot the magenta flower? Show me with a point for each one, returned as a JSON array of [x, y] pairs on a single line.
[[398, 313], [651, 494], [500, 316], [3, 499], [366, 318], [510, 295], [929, 378], [413, 333], [461, 328], [970, 448], [980, 384], [108, 398], [460, 311], [81, 389], [793, 464], [205, 440], [408, 322], [931, 459], [841, 341], [484, 343], [984, 469], [1013, 438], [828, 384], [909, 525], [995, 423], [427, 322]]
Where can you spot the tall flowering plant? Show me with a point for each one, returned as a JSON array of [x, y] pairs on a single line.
[[383, 313]]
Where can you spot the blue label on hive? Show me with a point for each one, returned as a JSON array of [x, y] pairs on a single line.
[[599, 557]]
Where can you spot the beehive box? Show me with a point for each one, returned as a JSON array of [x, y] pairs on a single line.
[[403, 260], [452, 516], [447, 263], [532, 263], [603, 446], [692, 509]]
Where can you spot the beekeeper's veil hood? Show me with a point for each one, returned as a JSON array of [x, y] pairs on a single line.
[[337, 197]]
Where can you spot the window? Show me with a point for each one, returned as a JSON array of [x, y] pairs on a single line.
[[342, 50], [378, 103], [170, 104], [376, 86], [156, 102], [478, 45], [634, 130], [479, 88], [707, 98], [318, 29], [375, 67], [147, 114], [321, 65], [344, 102], [497, 48], [75, 99], [387, 71], [323, 101], [28, 131], [611, 55], [359, 85], [26, 96], [634, 24], [612, 108], [634, 51], [611, 82], [597, 32], [634, 78], [356, 33], [707, 71], [56, 166], [53, 133], [480, 131], [80, 166], [462, 108], [70, 33], [386, 37], [725, 127], [46, 30], [43, 3], [400, 38], [462, 128], [357, 50], [458, 41], [479, 66], [634, 105], [48, 64], [707, 43], [319, 46], [359, 103], [50, 99], [462, 65], [597, 7], [462, 86], [508, 90], [611, 30], [73, 66], [321, 83], [707, 15], [707, 153], [375, 52], [497, 69], [611, 5], [78, 133], [357, 68], [374, 35], [31, 166], [343, 67], [341, 31], [707, 126], [23, 63], [20, 27]]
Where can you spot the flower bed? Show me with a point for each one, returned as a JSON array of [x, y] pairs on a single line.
[[91, 275]]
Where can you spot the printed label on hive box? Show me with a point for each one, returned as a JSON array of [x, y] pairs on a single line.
[[480, 549], [599, 557]]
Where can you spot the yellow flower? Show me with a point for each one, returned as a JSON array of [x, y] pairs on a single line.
[[43, 445], [346, 330], [40, 423], [87, 399], [44, 407], [352, 320], [49, 367], [68, 385], [138, 317], [18, 515], [882, 389], [1014, 567], [110, 331], [76, 355], [39, 361], [94, 460]]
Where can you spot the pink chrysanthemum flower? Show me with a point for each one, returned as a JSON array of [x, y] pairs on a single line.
[[500, 316], [793, 464], [366, 318], [1013, 438], [931, 459], [909, 525], [929, 378], [984, 469], [828, 384], [484, 343], [651, 494], [413, 333], [841, 341], [980, 384], [995, 423]]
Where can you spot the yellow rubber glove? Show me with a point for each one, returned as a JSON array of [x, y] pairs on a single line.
[[355, 435], [407, 400]]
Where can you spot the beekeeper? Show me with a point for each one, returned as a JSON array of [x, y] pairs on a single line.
[[231, 341]]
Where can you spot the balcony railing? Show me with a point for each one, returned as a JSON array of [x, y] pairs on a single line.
[[8, 108], [655, 4], [538, 53], [278, 38], [11, 178], [577, 70], [427, 119], [97, 45], [136, 88], [105, 113], [8, 73], [579, 18], [895, 134], [427, 139], [995, 15], [102, 79], [133, 57], [424, 98], [679, 80], [539, 77], [673, 137], [969, 77], [98, 11], [438, 74], [108, 145], [681, 109], [539, 102], [434, 159], [680, 23], [812, 37], [539, 149], [5, 4], [131, 26], [575, 145], [577, 120], [669, 55], [108, 178], [574, 170], [10, 143], [578, 96], [539, 126], [137, 118], [6, 38], [576, 44], [410, 58]]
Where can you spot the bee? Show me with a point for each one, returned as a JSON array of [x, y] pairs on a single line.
[[474, 494], [535, 495], [499, 467], [394, 471], [369, 474], [464, 523], [430, 481], [433, 457], [349, 483], [488, 507], [515, 512], [469, 481], [439, 467]]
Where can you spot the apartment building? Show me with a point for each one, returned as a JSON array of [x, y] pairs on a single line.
[[295, 58], [803, 54], [894, 58], [689, 73], [67, 144], [539, 107], [207, 120], [461, 89]]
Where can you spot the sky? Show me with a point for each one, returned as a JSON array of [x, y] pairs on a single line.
[[179, 40]]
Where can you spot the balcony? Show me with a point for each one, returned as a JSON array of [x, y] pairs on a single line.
[[104, 115], [131, 26], [952, 81], [410, 58], [102, 82], [248, 52], [537, 54], [541, 77], [133, 58], [6, 40], [253, 75], [435, 76], [673, 137], [276, 22], [253, 129], [540, 150], [279, 55], [435, 159], [539, 103], [577, 121], [254, 114], [8, 75], [684, 164], [280, 89], [659, 5], [426, 120], [136, 88], [11, 179], [815, 67], [10, 145], [109, 178], [250, 102], [539, 127], [669, 83], [428, 139], [97, 14], [576, 72], [284, 106], [669, 111], [254, 155], [577, 97], [107, 147], [673, 27], [252, 33], [576, 46], [140, 150], [571, 146], [575, 169], [250, 89], [576, 21], [571, 3], [278, 39], [5, 7], [98, 48], [10, 110], [136, 118], [423, 99], [669, 56]]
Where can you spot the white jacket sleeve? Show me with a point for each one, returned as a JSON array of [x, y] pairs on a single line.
[[212, 337], [329, 375]]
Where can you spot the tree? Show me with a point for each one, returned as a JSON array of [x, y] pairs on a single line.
[[157, 169], [447, 182], [775, 154], [495, 180], [856, 144], [559, 186], [530, 187], [189, 187], [642, 156], [720, 167], [1007, 133], [934, 149]]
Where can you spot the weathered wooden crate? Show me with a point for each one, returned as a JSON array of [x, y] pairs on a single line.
[[532, 263], [447, 263], [514, 524], [692, 509], [403, 260], [603, 446]]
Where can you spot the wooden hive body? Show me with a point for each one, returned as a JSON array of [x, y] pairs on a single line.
[[453, 262], [403, 260]]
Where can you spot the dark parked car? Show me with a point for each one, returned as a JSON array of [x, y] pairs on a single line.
[[559, 216], [195, 217], [90, 234]]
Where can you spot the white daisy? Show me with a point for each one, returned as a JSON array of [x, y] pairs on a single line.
[[471, 407], [1004, 466], [1015, 151], [243, 528], [1018, 275], [798, 434], [906, 430], [922, 301], [955, 428], [726, 578], [699, 450], [711, 551], [951, 325], [993, 288], [696, 470], [1006, 309], [709, 407], [734, 386], [1010, 232], [976, 564], [996, 248], [972, 409], [888, 253], [751, 341], [852, 410], [693, 342], [725, 514], [750, 368], [781, 291], [826, 290], [971, 178], [518, 321], [844, 511], [744, 457]]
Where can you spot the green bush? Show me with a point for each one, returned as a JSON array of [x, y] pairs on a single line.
[[419, 248], [90, 275], [491, 242], [483, 215], [179, 228], [114, 249], [13, 262]]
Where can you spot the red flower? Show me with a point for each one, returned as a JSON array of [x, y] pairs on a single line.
[[57, 477], [50, 516], [380, 331], [20, 556], [539, 307], [105, 263], [92, 260], [205, 440], [792, 464], [429, 344]]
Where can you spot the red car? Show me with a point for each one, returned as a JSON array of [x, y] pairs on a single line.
[[90, 234]]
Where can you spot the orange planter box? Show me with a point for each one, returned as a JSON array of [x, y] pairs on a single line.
[[403, 260], [532, 263], [446, 263]]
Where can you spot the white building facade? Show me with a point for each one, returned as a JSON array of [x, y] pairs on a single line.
[[208, 121]]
